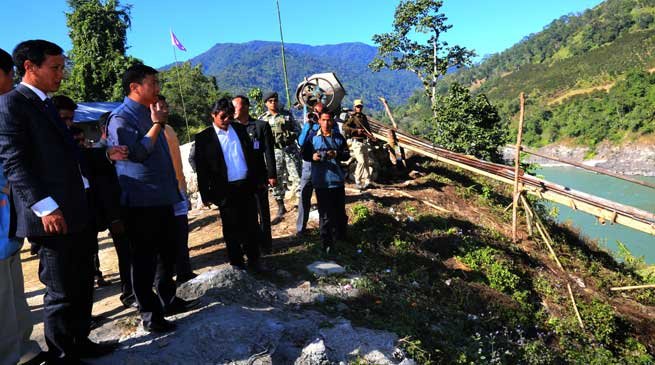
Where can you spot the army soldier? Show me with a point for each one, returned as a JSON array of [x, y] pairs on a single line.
[[358, 131], [286, 151]]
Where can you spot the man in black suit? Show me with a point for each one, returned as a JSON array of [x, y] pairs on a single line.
[[261, 139], [227, 177], [42, 165]]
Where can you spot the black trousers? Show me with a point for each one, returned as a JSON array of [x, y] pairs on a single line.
[[240, 228], [122, 246], [151, 235], [182, 260], [264, 216], [66, 269], [332, 214]]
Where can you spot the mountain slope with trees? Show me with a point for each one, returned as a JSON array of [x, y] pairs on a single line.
[[586, 76], [240, 67]]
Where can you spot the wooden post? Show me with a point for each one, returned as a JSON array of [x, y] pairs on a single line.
[[517, 158], [399, 151], [634, 287]]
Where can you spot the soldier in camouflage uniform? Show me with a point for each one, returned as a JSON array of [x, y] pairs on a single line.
[[357, 129], [286, 151]]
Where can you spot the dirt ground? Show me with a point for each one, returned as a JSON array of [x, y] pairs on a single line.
[[207, 248]]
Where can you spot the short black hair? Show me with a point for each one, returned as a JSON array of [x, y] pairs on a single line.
[[6, 62], [63, 102], [325, 111], [34, 50], [223, 105], [244, 99], [136, 73], [161, 97]]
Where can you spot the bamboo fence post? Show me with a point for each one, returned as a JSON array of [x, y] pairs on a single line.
[[517, 158], [633, 287], [575, 306], [528, 216], [544, 235]]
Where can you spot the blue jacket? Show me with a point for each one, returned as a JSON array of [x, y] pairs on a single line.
[[147, 178], [328, 173], [8, 246]]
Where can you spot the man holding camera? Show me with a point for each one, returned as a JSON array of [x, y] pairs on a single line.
[[325, 150]]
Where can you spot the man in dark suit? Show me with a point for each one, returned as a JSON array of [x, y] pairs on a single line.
[[227, 177], [41, 163], [261, 139]]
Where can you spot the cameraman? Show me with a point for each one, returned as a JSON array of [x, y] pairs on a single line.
[[325, 150]]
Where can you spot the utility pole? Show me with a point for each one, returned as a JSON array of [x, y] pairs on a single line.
[[284, 62]]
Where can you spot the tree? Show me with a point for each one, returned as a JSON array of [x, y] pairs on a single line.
[[256, 103], [199, 92], [397, 51], [98, 31], [468, 124]]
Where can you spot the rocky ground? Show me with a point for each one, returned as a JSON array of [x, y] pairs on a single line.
[[243, 319], [634, 158]]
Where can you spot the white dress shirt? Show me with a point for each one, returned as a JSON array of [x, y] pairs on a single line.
[[47, 205], [235, 160]]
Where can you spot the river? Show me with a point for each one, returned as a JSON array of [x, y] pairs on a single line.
[[640, 244]]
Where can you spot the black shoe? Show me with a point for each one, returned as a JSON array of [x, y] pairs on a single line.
[[91, 349], [97, 321], [129, 302], [159, 326], [281, 210], [101, 282], [258, 267], [241, 266], [39, 359], [181, 279], [181, 306]]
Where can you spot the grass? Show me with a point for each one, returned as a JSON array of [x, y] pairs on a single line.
[[457, 292]]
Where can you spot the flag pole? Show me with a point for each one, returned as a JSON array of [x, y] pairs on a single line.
[[284, 62], [179, 85]]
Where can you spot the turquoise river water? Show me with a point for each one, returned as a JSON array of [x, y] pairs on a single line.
[[640, 244]]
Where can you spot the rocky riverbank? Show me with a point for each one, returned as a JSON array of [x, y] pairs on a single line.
[[635, 158]]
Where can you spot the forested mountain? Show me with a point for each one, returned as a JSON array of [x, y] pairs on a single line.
[[240, 67], [586, 76]]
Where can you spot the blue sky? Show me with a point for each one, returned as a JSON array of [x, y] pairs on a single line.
[[487, 26]]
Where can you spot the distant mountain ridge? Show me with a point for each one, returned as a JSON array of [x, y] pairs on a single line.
[[238, 67], [586, 76]]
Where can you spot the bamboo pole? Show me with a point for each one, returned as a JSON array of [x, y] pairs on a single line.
[[528, 216], [546, 237], [517, 165], [621, 214], [575, 306], [633, 287]]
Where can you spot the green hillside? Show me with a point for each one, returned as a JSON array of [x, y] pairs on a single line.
[[240, 67], [586, 77]]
